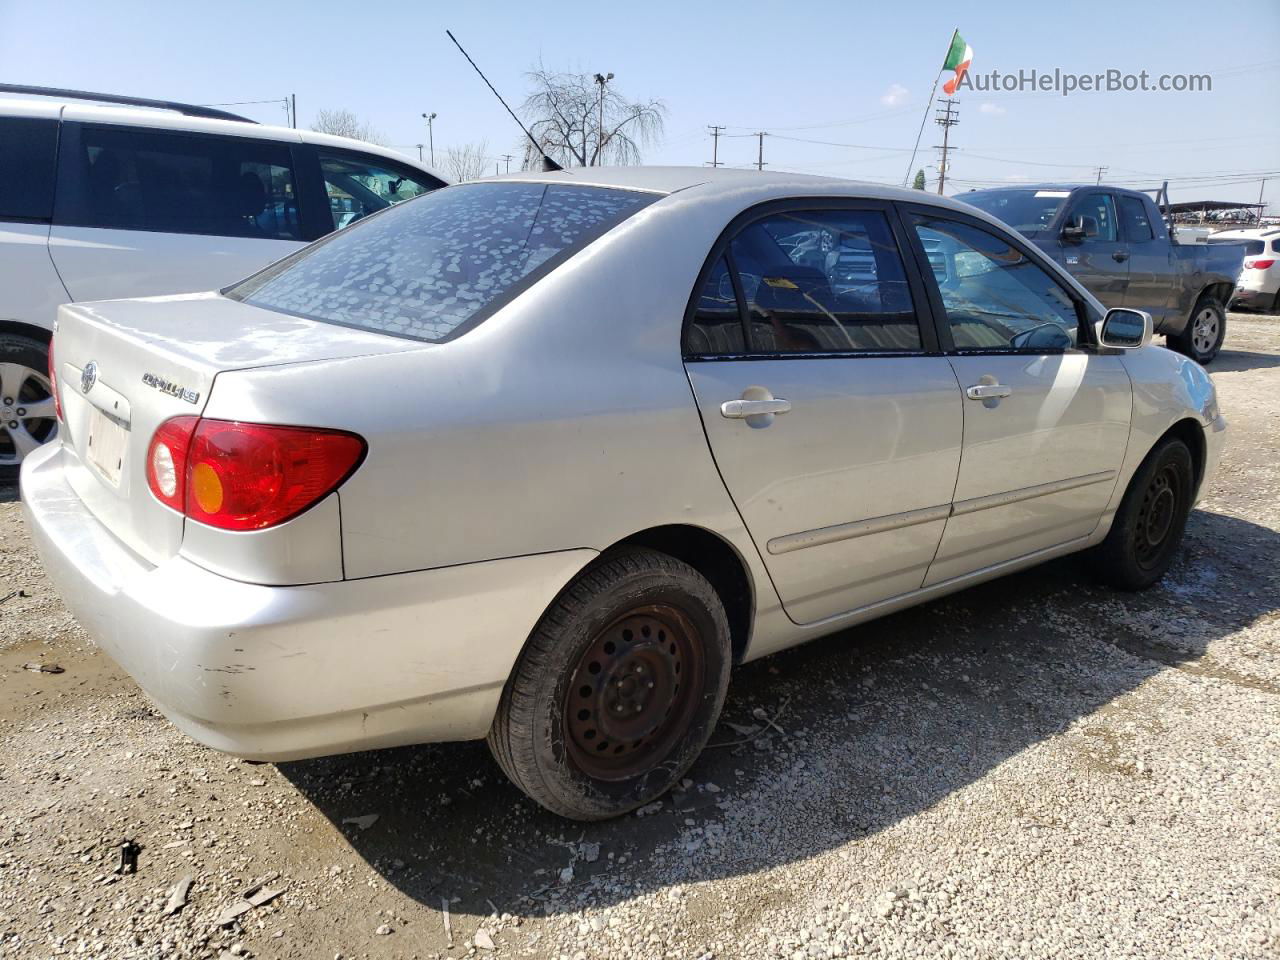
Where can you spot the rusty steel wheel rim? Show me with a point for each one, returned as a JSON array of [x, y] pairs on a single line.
[[633, 692]]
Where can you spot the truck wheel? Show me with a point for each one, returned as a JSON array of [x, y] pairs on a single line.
[[1147, 529], [1205, 331], [27, 417], [618, 689]]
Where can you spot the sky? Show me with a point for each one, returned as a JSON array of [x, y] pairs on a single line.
[[840, 87]]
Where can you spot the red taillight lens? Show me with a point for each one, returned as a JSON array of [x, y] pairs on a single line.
[[167, 460], [1259, 264], [53, 384], [247, 476]]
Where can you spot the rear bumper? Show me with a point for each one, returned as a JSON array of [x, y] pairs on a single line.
[[1248, 297], [280, 673]]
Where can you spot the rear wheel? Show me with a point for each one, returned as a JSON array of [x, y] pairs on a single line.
[[618, 689], [27, 417], [1202, 339], [1148, 527]]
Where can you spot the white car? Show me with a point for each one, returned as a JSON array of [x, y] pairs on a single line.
[[129, 198], [538, 458], [1259, 285]]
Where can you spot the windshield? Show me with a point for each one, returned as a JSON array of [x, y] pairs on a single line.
[[431, 268], [1027, 211]]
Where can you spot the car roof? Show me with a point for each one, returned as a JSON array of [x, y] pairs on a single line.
[[1246, 233], [1065, 187], [706, 181], [161, 119]]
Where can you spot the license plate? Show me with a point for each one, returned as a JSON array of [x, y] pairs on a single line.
[[107, 443]]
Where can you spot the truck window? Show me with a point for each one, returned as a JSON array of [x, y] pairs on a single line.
[[1137, 225], [1099, 213]]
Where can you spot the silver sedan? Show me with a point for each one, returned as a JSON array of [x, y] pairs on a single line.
[[538, 459]]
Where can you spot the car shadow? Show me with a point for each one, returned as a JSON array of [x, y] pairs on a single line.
[[871, 726], [1231, 361], [8, 490]]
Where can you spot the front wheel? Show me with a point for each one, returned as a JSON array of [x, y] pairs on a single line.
[[1148, 527], [618, 689], [1202, 339]]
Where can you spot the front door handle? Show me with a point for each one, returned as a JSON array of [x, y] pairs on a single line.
[[988, 391], [744, 409], [1119, 256]]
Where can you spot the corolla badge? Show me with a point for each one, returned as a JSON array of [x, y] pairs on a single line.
[[88, 376], [171, 388]]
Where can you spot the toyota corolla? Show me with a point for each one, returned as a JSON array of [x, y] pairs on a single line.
[[538, 459]]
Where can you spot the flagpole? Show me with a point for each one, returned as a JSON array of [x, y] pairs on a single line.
[[927, 107]]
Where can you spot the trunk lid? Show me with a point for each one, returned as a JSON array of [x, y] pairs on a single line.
[[125, 366]]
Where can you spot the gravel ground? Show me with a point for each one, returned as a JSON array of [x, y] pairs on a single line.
[[1037, 767]]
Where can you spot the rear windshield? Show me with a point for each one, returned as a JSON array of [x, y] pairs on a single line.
[[1027, 211], [1251, 247], [435, 266]]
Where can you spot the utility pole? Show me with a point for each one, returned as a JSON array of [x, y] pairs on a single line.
[[715, 143], [601, 79], [431, 138], [1262, 186], [419, 146], [1101, 171], [508, 158], [760, 154], [293, 109], [947, 118]]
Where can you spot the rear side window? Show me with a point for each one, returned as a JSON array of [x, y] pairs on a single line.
[[825, 281], [28, 146], [1137, 225], [134, 179], [433, 268]]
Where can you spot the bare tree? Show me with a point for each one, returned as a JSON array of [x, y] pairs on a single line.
[[581, 122], [467, 162], [344, 123]]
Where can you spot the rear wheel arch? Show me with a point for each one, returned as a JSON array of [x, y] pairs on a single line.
[[41, 334]]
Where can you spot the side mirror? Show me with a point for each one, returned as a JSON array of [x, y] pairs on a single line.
[[1073, 230], [1124, 329]]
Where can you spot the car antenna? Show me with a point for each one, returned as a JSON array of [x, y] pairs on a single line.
[[547, 163]]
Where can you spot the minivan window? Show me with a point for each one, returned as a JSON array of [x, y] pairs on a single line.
[[434, 267], [28, 146], [358, 186], [127, 178]]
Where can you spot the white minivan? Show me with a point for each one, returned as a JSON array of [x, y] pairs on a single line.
[[127, 198]]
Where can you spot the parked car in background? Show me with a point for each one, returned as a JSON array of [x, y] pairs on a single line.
[[538, 458], [1259, 285], [1116, 243], [106, 200]]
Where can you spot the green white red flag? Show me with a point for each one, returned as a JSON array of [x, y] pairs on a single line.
[[959, 56]]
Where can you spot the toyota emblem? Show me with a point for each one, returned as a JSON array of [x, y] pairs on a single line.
[[88, 376]]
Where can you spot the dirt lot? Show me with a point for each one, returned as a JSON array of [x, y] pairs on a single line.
[[1035, 768]]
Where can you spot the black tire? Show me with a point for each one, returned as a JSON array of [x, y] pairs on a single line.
[[1275, 303], [1206, 329], [1148, 527], [544, 736], [23, 351]]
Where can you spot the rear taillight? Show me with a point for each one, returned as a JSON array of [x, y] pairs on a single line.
[[53, 384], [247, 476], [1258, 264]]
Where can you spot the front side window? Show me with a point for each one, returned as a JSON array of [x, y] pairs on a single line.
[[825, 281], [136, 179], [425, 269], [1096, 214], [28, 146], [358, 186], [995, 297], [1137, 224]]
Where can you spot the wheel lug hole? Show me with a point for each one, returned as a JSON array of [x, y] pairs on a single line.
[[22, 411]]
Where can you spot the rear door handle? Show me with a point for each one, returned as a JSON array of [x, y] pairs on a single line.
[[742, 409], [988, 391]]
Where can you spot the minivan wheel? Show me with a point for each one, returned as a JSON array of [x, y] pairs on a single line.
[[1148, 527], [1207, 328], [618, 689], [27, 416]]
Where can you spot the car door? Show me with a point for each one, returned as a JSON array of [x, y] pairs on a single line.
[[1151, 271], [1046, 417], [1096, 256], [834, 421], [142, 211]]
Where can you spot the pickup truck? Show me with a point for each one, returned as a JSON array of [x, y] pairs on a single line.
[[1116, 243]]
